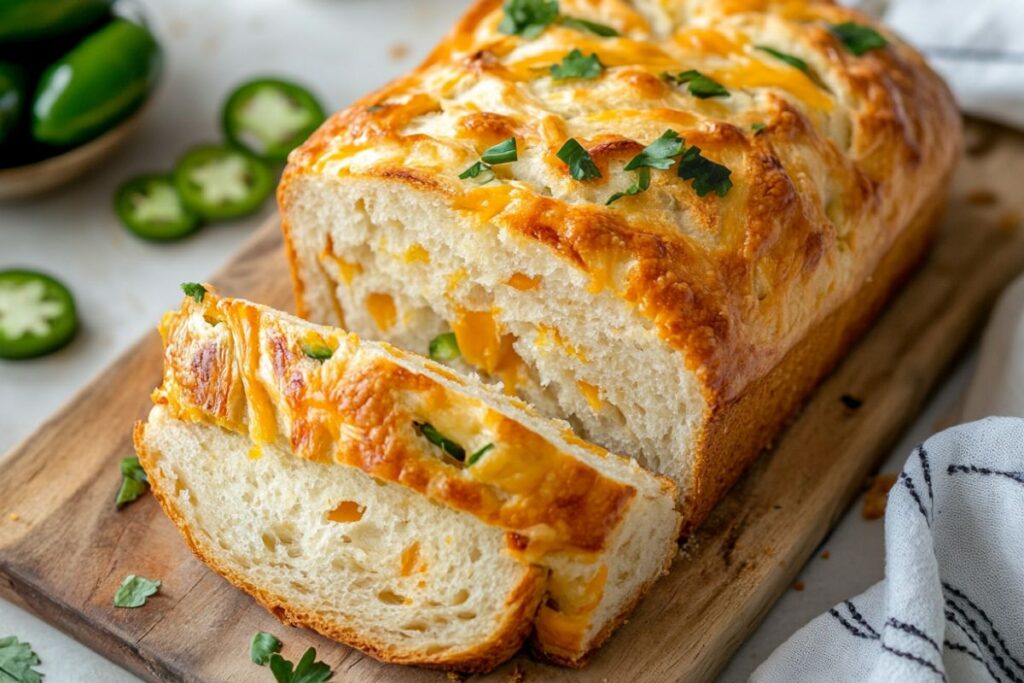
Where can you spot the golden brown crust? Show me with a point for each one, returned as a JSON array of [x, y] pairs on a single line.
[[737, 432], [230, 363], [849, 152], [522, 601]]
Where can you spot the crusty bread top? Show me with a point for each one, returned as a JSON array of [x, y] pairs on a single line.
[[828, 164], [249, 369]]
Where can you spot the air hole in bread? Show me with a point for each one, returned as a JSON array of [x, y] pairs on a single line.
[[269, 542], [346, 511], [389, 597], [474, 555], [460, 597], [466, 616], [414, 626]]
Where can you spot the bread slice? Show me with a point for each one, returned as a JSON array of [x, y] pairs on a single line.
[[679, 325], [317, 485]]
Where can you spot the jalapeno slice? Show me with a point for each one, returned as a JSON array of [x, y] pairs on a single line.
[[151, 207], [219, 182], [37, 314], [271, 117]]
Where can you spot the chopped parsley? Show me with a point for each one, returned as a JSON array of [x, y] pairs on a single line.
[[795, 62], [585, 25], [642, 182], [858, 38], [317, 351], [707, 176], [528, 18], [757, 127], [479, 454], [374, 107], [659, 154], [699, 85], [262, 647], [133, 482], [17, 662], [134, 590], [441, 441], [480, 171], [194, 290], [502, 153], [581, 166], [576, 65], [308, 670], [444, 347]]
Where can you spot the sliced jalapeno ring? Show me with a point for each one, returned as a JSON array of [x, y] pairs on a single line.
[[151, 207], [219, 182], [37, 314], [271, 117]]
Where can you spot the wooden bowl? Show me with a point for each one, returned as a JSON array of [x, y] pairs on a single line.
[[20, 182]]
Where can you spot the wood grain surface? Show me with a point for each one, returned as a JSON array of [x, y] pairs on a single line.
[[64, 548]]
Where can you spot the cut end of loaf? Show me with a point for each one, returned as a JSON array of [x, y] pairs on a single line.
[[370, 258], [331, 548]]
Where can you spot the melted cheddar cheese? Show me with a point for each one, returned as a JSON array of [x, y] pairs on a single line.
[[359, 408], [381, 308]]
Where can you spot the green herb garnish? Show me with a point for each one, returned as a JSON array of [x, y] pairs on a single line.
[[444, 347], [586, 25], [581, 166], [194, 290], [642, 182], [795, 62], [261, 648], [320, 352], [699, 85], [133, 482], [441, 441], [707, 176], [659, 154], [502, 153], [479, 454], [17, 661], [308, 670], [374, 107], [134, 590], [858, 38], [757, 127], [479, 170], [528, 18], [576, 65]]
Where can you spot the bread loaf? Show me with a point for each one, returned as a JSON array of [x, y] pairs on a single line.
[[685, 321], [382, 500]]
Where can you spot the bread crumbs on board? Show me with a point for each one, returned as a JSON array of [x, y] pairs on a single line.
[[798, 586], [876, 495], [825, 554]]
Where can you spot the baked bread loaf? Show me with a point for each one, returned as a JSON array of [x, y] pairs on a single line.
[[779, 164], [380, 499]]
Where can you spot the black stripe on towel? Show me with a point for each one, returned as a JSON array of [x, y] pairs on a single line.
[[850, 627], [914, 631], [974, 469], [914, 658], [909, 483]]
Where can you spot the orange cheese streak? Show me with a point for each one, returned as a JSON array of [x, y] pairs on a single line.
[[358, 409], [483, 344], [381, 308]]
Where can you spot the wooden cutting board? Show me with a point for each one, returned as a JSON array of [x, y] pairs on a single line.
[[64, 548]]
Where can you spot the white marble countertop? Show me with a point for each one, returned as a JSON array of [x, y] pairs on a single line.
[[122, 285]]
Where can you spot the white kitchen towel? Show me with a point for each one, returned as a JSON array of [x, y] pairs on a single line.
[[977, 45], [951, 606]]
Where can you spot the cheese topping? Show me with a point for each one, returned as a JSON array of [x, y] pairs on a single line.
[[359, 408]]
